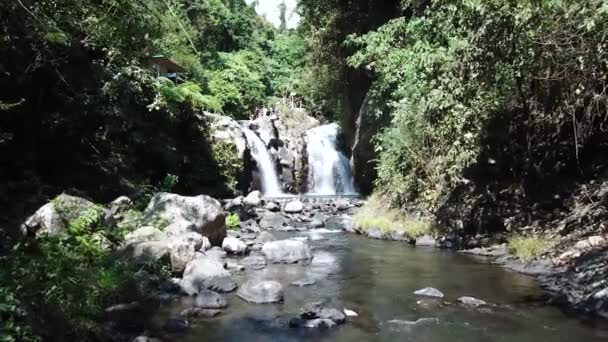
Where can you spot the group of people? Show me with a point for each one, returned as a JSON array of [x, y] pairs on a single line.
[[263, 111]]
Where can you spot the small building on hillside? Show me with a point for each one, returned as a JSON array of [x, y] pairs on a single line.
[[165, 67]]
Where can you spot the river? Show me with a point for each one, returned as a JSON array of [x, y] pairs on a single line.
[[377, 279]]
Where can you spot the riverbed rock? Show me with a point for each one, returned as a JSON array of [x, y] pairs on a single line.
[[287, 252], [216, 253], [145, 233], [200, 313], [374, 233], [471, 301], [206, 273], [181, 252], [54, 217], [249, 226], [318, 220], [254, 199], [254, 262], [293, 207], [261, 291], [207, 299], [176, 325], [429, 292], [344, 223], [273, 221], [265, 237], [206, 244], [233, 245], [304, 282], [146, 339], [204, 212], [145, 252], [426, 241], [272, 206]]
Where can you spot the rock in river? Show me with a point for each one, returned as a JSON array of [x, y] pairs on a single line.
[[261, 291], [429, 292], [287, 251], [471, 301], [206, 273], [207, 299], [233, 245], [293, 207], [254, 262]]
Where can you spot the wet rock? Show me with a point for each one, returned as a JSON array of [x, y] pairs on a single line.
[[176, 325], [471, 301], [204, 212], [426, 240], [340, 223], [206, 273], [272, 206], [318, 221], [235, 266], [216, 253], [342, 204], [146, 339], [272, 221], [249, 226], [265, 237], [200, 313], [317, 323], [233, 245], [398, 235], [254, 199], [207, 299], [261, 291], [314, 315], [304, 282], [287, 251], [429, 292], [145, 233], [54, 217], [293, 207], [254, 262], [206, 244], [374, 233], [350, 313]]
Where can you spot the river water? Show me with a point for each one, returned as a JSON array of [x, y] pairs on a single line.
[[377, 279]]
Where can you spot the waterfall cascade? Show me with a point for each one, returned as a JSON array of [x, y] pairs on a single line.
[[329, 170], [268, 173]]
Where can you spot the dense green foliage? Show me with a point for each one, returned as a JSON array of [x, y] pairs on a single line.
[[448, 68]]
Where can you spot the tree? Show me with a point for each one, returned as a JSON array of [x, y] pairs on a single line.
[[283, 16]]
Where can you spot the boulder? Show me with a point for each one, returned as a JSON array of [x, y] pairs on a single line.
[[233, 245], [340, 223], [147, 251], [426, 240], [179, 227], [272, 206], [429, 292], [287, 251], [254, 199], [206, 273], [216, 253], [204, 212], [265, 237], [304, 282], [471, 301], [119, 205], [254, 262], [374, 233], [54, 217], [293, 207], [207, 299], [318, 220], [206, 245], [181, 252], [261, 291], [272, 221], [249, 226], [145, 233]]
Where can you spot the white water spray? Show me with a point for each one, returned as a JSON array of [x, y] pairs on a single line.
[[268, 173], [329, 169]]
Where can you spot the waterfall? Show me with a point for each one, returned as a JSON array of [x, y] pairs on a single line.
[[268, 173], [329, 170]]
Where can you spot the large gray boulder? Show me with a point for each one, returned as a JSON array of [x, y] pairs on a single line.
[[261, 291], [206, 273], [287, 251], [54, 217], [207, 299], [233, 245], [272, 221], [205, 213], [254, 199], [293, 207], [145, 233], [226, 130]]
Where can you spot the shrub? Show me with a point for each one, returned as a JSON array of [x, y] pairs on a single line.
[[376, 214], [527, 248], [233, 221]]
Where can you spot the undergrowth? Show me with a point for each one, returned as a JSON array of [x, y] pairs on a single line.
[[527, 248], [378, 215]]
